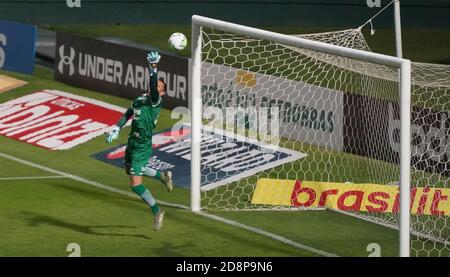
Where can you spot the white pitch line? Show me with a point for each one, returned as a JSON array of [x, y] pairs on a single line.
[[268, 234], [31, 177], [82, 180], [210, 216]]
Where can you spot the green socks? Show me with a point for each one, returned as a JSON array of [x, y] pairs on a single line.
[[145, 194], [152, 173]]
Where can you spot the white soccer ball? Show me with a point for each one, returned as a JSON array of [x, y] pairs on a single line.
[[178, 41]]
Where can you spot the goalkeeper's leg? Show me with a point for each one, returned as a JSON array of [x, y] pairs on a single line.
[[164, 177], [145, 194], [134, 165]]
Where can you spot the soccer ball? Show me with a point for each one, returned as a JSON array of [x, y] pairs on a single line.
[[178, 41]]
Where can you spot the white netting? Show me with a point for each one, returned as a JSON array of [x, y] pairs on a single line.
[[430, 145], [339, 122]]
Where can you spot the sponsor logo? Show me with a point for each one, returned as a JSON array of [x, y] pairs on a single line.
[[307, 113], [349, 196], [56, 120], [66, 60], [316, 119], [246, 79], [176, 84], [116, 72], [116, 153], [226, 158]]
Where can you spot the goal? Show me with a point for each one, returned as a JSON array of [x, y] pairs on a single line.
[[284, 122], [430, 167]]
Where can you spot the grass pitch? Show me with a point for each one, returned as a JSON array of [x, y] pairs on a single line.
[[40, 217]]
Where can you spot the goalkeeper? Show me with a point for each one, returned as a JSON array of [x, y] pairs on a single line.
[[145, 110]]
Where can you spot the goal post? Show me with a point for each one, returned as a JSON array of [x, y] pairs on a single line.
[[398, 29], [403, 66], [196, 114], [405, 151], [405, 156]]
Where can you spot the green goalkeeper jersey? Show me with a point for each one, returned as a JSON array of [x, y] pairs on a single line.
[[145, 109]]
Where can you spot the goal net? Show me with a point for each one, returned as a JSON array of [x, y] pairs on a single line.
[[430, 147], [290, 128]]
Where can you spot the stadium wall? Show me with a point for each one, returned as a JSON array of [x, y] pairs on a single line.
[[336, 13]]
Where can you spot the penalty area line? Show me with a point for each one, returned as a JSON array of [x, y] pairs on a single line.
[[168, 204], [82, 180]]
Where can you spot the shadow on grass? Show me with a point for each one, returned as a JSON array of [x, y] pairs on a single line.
[[37, 219], [102, 195], [196, 224], [185, 219], [169, 249]]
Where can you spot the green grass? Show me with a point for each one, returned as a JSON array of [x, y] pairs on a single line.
[[106, 224]]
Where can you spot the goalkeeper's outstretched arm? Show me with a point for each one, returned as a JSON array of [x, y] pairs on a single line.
[[153, 59], [114, 134], [154, 94], [125, 117]]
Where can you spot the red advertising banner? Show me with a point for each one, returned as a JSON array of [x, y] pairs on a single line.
[[56, 120]]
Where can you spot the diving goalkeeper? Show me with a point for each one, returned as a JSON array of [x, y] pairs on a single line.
[[145, 110]]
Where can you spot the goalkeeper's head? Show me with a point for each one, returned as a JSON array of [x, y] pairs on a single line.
[[162, 87]]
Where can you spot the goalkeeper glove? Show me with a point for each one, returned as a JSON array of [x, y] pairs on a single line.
[[153, 57], [113, 135]]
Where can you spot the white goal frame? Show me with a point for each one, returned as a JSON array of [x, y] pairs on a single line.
[[196, 106]]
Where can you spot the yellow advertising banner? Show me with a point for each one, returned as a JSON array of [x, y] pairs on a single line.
[[349, 196]]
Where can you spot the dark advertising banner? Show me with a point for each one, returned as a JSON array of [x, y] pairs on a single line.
[[226, 157], [17, 42], [117, 69], [372, 129]]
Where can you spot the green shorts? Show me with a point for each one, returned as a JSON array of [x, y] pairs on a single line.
[[137, 155]]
